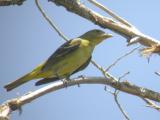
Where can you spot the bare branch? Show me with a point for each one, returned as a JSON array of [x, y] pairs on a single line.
[[53, 25], [106, 74], [120, 58], [16, 103], [115, 93], [124, 75], [114, 15], [11, 2], [104, 22], [4, 111], [120, 106], [157, 73], [151, 104]]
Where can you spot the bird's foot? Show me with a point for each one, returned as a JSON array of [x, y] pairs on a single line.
[[82, 77], [65, 82], [14, 105]]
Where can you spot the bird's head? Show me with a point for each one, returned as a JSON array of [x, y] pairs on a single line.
[[95, 36]]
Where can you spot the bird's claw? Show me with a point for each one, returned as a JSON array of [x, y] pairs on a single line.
[[20, 110], [65, 83], [81, 76], [14, 105]]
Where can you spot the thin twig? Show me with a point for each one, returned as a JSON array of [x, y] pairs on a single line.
[[120, 58], [151, 104], [54, 26], [120, 106], [124, 75], [115, 94], [111, 13], [157, 73], [106, 74], [108, 90]]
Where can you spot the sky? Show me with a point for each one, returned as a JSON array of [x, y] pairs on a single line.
[[27, 40]]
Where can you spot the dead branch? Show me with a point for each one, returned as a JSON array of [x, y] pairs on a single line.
[[53, 25], [11, 2], [151, 104], [17, 103], [120, 58], [114, 15], [128, 32], [115, 94]]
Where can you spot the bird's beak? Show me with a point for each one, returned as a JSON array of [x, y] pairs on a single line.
[[107, 35]]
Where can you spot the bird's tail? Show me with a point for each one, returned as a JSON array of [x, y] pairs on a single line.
[[35, 74], [19, 81]]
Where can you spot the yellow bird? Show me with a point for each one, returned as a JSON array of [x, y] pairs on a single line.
[[71, 57]]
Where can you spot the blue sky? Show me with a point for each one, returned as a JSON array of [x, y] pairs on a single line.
[[27, 40]]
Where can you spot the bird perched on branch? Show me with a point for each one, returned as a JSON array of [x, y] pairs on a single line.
[[71, 57]]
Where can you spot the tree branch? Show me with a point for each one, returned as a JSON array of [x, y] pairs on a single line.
[[53, 25], [115, 94], [151, 104], [16, 103], [105, 22], [11, 2], [119, 105], [115, 16], [120, 58]]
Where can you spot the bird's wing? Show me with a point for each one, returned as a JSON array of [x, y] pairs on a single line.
[[83, 66], [48, 80], [67, 48]]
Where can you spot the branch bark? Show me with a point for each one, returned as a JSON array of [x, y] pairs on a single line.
[[11, 2], [129, 32], [17, 103]]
